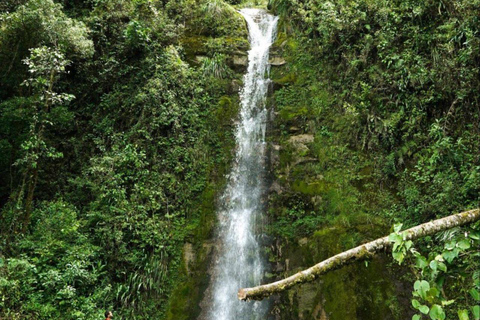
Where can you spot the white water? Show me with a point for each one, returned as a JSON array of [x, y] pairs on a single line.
[[239, 263]]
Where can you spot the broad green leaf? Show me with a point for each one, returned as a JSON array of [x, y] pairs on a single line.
[[395, 237], [442, 266], [464, 244], [434, 265], [450, 245], [416, 317], [397, 227], [475, 294], [476, 312], [421, 262], [408, 244], [475, 235], [416, 285], [423, 288], [424, 309], [463, 315], [432, 293], [415, 303], [399, 256], [437, 313], [450, 255]]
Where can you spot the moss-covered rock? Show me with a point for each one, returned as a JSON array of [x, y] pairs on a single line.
[[364, 290]]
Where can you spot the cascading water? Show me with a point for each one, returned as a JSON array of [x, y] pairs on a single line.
[[239, 263]]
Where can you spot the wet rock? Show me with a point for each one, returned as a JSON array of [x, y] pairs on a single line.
[[277, 61], [302, 242], [240, 61], [276, 188], [188, 256], [301, 139], [293, 129]]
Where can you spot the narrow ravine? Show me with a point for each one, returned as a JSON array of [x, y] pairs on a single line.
[[238, 262]]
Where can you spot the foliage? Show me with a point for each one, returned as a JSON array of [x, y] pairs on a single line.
[[387, 94], [109, 146], [99, 193], [34, 24], [457, 259], [58, 272], [216, 67]]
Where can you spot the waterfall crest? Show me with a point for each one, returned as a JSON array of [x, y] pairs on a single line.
[[239, 263]]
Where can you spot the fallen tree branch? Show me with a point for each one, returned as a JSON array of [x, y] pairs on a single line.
[[359, 253]]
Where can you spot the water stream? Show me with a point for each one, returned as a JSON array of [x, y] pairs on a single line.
[[239, 262]]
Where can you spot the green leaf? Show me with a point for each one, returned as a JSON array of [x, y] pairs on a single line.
[[424, 309], [450, 255], [416, 285], [475, 294], [464, 244], [397, 227], [432, 293], [433, 265], [399, 256], [408, 244], [450, 245], [476, 312], [447, 302], [463, 315], [437, 313], [415, 303], [423, 287], [475, 235], [416, 317], [395, 237], [442, 266], [421, 262]]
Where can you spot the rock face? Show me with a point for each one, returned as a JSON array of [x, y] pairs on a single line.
[[240, 61], [357, 291], [188, 256], [277, 61]]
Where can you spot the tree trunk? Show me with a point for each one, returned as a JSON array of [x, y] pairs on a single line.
[[359, 253]]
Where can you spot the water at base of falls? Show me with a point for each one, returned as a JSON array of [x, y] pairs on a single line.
[[238, 261]]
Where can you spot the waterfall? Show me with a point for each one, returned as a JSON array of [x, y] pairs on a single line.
[[239, 262]]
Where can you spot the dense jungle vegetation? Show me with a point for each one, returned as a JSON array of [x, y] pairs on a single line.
[[378, 122], [116, 121], [112, 149]]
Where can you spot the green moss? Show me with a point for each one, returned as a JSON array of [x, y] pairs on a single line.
[[289, 113], [204, 46], [310, 188], [289, 78], [227, 110], [281, 37], [194, 46], [359, 292], [353, 292]]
